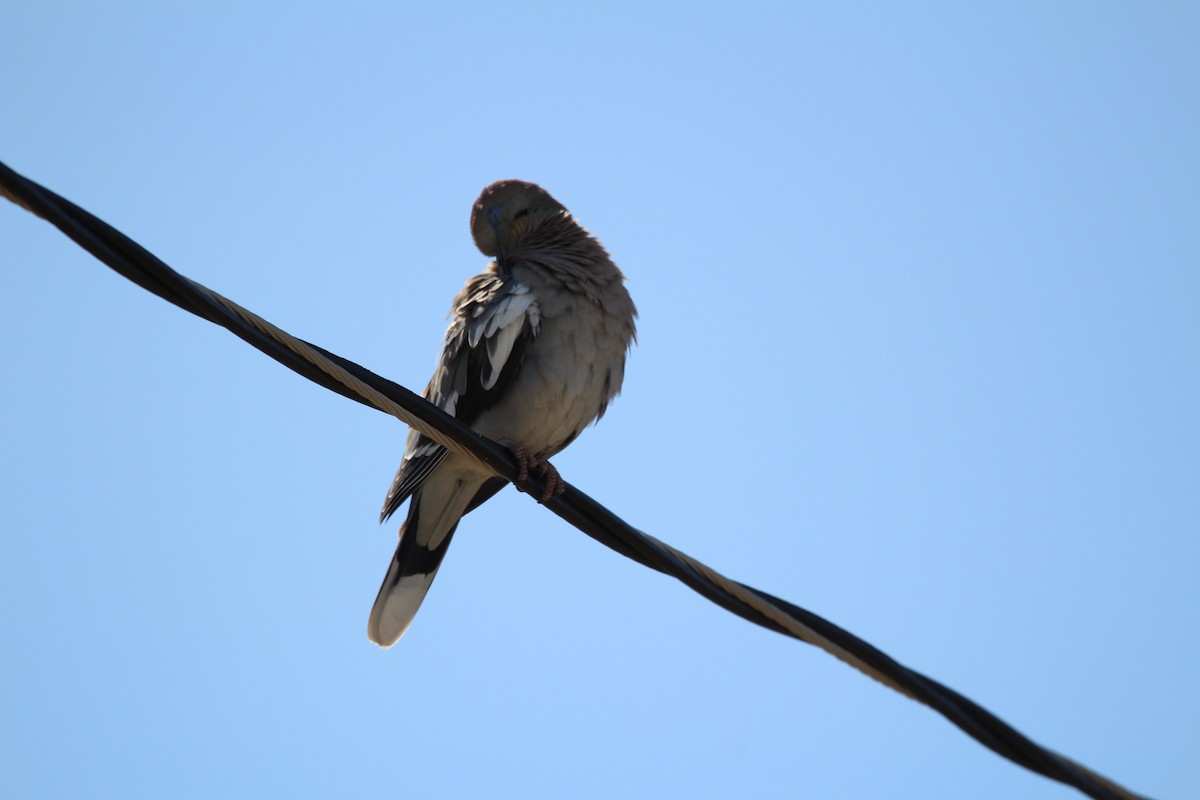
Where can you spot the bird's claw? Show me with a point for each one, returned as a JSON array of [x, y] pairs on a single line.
[[527, 461], [555, 485]]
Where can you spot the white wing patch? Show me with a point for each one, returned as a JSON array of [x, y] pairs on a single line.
[[499, 325], [491, 328]]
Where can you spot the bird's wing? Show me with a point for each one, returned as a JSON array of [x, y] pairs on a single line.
[[492, 323]]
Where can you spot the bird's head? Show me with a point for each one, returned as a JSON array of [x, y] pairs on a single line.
[[506, 213]]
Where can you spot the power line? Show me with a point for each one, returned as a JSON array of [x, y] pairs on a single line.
[[350, 380]]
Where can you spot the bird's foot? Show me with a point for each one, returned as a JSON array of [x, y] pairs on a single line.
[[554, 483], [527, 461]]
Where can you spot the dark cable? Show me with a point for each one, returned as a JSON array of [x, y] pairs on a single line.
[[130, 259]]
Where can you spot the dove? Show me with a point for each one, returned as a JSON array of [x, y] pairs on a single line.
[[534, 353]]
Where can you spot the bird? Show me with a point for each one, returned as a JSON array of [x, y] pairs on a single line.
[[534, 353]]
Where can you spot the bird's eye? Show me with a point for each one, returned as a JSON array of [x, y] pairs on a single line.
[[493, 216], [524, 212]]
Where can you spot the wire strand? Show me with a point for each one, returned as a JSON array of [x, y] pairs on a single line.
[[350, 380]]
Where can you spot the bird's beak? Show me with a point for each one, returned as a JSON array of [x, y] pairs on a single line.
[[501, 257], [493, 219]]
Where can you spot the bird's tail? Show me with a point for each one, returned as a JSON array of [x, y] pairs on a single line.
[[433, 516]]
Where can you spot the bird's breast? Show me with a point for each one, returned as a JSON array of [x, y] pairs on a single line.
[[572, 368]]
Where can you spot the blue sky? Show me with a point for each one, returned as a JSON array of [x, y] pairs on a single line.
[[919, 351]]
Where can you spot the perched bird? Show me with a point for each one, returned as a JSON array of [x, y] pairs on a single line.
[[534, 352]]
